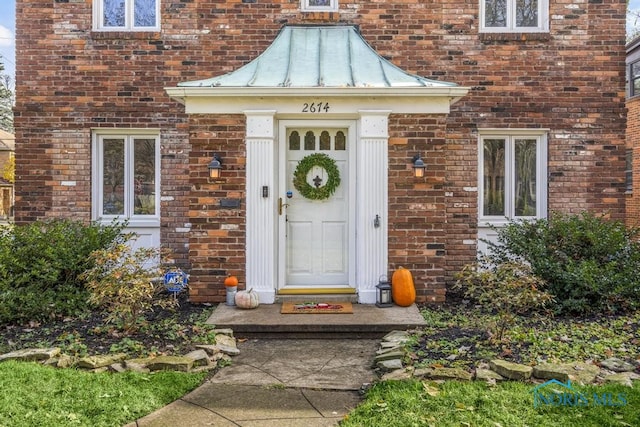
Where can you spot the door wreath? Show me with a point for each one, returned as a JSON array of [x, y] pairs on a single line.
[[319, 192]]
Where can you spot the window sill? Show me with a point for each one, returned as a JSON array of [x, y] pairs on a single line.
[[516, 36], [125, 35]]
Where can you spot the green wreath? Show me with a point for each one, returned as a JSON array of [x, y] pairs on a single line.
[[302, 170]]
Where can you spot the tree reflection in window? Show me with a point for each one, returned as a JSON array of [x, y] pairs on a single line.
[[494, 150], [144, 183], [113, 177], [114, 13], [525, 177]]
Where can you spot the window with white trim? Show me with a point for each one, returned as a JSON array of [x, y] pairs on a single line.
[[126, 176], [319, 5], [126, 15], [522, 16], [512, 180]]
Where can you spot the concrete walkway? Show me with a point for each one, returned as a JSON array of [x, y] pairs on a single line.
[[278, 382]]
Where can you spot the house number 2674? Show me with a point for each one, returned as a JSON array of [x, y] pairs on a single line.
[[315, 107]]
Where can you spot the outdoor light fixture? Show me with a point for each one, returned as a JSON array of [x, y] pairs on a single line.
[[418, 166], [383, 296], [215, 166]]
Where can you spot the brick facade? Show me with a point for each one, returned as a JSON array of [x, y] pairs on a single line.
[[70, 79]]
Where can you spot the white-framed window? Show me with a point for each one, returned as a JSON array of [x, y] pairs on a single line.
[[319, 5], [126, 176], [512, 175], [126, 15], [522, 16]]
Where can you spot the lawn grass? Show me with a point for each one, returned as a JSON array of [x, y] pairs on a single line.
[[36, 395], [416, 403]]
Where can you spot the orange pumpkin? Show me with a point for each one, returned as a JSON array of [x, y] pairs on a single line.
[[231, 281], [403, 290]]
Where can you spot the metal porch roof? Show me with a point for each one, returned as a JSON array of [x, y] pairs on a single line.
[[319, 56]]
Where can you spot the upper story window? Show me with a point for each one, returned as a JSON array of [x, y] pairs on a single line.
[[634, 79], [319, 5], [522, 16], [512, 179], [126, 15]]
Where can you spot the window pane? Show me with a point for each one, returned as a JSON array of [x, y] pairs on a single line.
[[113, 177], [294, 140], [144, 13], [493, 203], [495, 13], [309, 141], [325, 140], [525, 183], [316, 3], [526, 13], [341, 142], [144, 169], [113, 13]]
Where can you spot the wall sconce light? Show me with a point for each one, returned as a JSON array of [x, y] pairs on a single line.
[[383, 294], [418, 166], [215, 166]]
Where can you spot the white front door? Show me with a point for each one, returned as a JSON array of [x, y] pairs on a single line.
[[315, 225]]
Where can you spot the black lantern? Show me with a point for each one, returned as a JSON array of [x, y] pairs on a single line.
[[418, 166], [215, 166], [383, 295]]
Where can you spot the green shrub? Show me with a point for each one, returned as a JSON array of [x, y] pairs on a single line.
[[508, 290], [40, 265], [121, 281], [591, 264]]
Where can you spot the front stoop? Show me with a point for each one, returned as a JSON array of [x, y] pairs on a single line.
[[367, 321]]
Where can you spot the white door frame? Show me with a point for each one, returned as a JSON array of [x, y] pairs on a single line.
[[351, 127]]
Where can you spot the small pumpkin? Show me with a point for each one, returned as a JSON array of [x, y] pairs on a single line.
[[403, 290], [247, 299], [231, 281]]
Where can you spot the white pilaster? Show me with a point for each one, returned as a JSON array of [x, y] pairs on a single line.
[[372, 196], [260, 243]]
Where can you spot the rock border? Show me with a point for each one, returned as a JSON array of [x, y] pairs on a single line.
[[389, 361], [205, 358]]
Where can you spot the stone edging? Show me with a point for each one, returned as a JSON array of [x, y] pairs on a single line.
[[389, 362], [207, 357]]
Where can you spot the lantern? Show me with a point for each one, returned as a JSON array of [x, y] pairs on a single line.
[[383, 293]]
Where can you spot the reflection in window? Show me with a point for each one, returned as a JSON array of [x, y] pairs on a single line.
[[525, 177], [294, 140], [512, 176], [127, 14], [325, 141], [514, 15], [494, 176], [127, 174], [341, 143], [309, 141], [113, 177], [144, 169]]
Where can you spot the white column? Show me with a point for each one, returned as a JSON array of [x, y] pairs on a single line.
[[260, 234], [372, 197]]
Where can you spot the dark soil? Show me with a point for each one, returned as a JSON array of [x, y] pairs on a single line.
[[163, 331]]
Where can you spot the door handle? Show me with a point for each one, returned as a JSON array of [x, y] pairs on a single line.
[[281, 205]]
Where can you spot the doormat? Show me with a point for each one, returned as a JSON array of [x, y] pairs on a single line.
[[316, 308]]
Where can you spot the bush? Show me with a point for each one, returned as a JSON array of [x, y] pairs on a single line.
[[121, 281], [40, 265], [591, 264], [507, 289]]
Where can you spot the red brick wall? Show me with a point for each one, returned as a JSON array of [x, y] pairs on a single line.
[[71, 79], [633, 143]]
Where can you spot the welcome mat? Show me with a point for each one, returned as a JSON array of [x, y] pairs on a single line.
[[316, 308]]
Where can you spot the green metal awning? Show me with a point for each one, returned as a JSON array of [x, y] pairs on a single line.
[[318, 56]]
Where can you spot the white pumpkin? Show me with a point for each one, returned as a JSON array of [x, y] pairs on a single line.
[[247, 299]]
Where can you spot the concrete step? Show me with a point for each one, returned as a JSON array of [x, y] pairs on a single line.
[[266, 321]]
